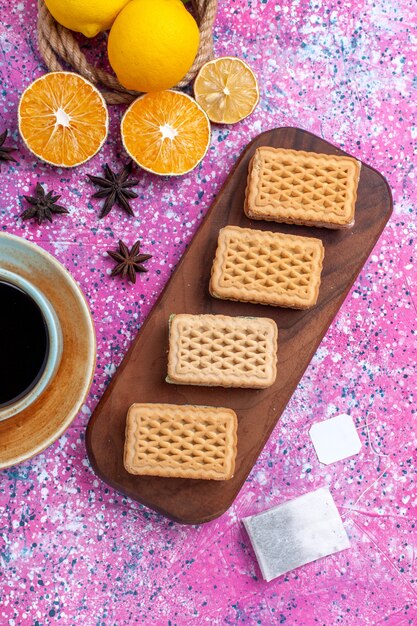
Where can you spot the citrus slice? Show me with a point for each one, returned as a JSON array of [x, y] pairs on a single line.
[[227, 90], [166, 132], [63, 119]]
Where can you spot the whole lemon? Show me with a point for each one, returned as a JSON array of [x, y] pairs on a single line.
[[88, 18], [152, 44]]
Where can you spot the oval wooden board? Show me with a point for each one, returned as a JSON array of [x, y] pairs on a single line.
[[141, 376]]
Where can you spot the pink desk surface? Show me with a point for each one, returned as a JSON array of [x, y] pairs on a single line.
[[72, 550]]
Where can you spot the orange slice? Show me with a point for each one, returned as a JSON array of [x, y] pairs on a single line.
[[226, 89], [63, 119], [166, 132]]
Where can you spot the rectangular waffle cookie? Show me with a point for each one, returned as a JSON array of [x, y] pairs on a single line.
[[218, 350], [267, 268], [300, 187], [180, 441]]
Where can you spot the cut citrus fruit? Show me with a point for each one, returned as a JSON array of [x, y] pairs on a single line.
[[227, 90], [166, 132], [63, 119]]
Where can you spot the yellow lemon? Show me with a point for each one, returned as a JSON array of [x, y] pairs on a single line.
[[88, 18], [152, 44]]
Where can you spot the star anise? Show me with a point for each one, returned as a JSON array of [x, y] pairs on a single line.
[[43, 205], [128, 261], [116, 188], [5, 153]]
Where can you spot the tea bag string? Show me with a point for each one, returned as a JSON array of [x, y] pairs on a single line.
[[368, 434], [374, 451]]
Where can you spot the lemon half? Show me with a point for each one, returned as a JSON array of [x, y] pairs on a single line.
[[227, 90]]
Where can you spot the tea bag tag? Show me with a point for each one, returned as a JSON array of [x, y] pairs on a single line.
[[335, 439]]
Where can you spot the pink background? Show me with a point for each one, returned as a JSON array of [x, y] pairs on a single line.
[[72, 550]]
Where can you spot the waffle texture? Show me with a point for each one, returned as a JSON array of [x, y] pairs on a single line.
[[300, 187], [180, 441], [218, 350], [267, 268]]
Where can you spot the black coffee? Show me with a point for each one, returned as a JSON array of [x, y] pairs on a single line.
[[24, 343]]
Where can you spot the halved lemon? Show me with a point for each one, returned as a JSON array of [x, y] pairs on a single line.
[[63, 119], [166, 132], [227, 90]]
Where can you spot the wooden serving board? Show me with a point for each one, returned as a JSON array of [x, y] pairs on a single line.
[[141, 376]]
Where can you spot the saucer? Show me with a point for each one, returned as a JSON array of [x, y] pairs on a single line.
[[37, 426]]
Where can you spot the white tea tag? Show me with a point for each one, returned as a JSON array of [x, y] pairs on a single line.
[[335, 439], [297, 532]]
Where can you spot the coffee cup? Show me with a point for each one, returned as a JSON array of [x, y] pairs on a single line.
[[30, 367]]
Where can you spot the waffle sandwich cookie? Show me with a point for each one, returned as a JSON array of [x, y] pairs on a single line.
[[267, 268], [180, 441], [300, 187], [218, 350]]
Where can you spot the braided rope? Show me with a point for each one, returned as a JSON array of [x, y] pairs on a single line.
[[58, 45]]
